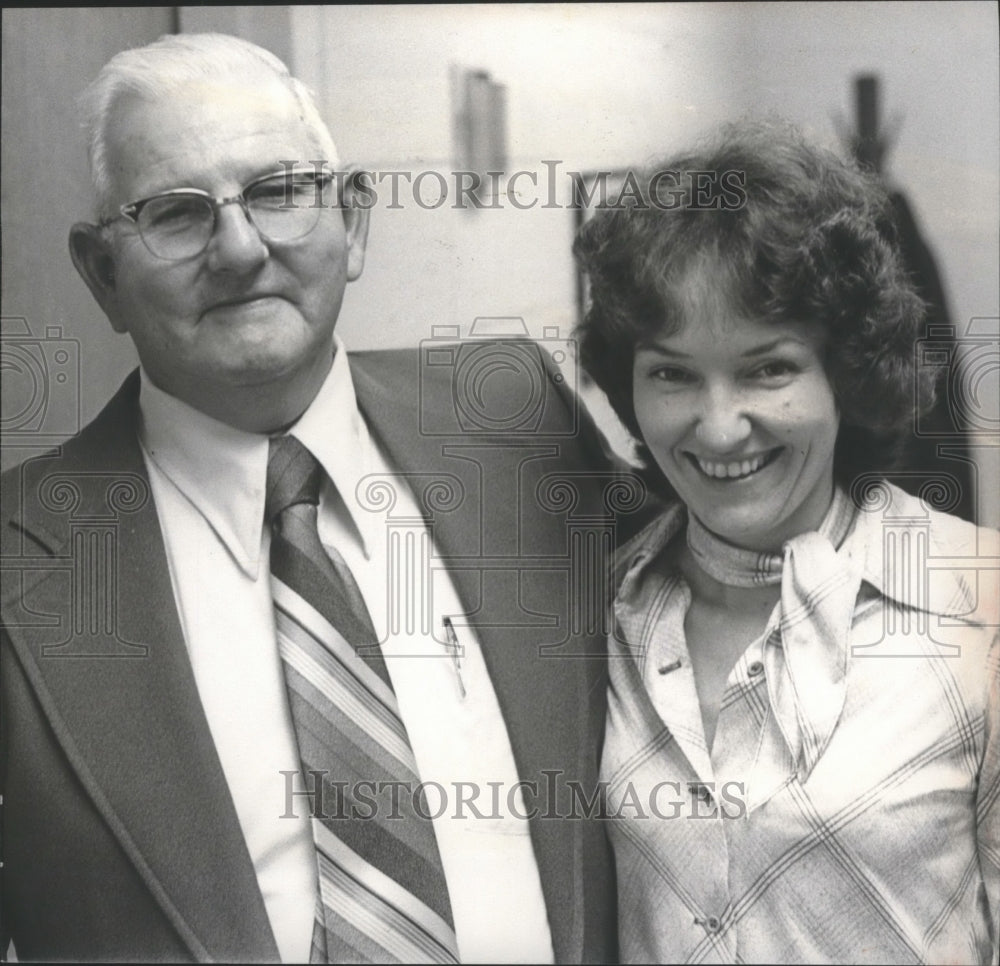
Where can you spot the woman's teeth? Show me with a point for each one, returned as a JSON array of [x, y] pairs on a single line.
[[733, 470]]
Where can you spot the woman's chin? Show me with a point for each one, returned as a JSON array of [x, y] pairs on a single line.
[[750, 534]]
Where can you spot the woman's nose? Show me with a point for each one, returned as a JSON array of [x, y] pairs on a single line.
[[722, 423]]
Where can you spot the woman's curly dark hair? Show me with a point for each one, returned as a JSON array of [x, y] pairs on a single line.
[[797, 235]]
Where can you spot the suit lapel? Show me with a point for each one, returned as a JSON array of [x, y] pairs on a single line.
[[117, 687], [553, 708]]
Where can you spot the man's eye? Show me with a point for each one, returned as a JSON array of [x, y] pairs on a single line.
[[275, 189], [302, 190], [174, 212]]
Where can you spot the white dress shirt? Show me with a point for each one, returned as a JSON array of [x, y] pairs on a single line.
[[208, 483]]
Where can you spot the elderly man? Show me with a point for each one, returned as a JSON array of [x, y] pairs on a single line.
[[224, 736]]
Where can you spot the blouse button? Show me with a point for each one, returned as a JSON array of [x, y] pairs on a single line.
[[755, 668], [712, 924], [702, 792]]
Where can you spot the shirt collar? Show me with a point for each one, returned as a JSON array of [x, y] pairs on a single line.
[[334, 431], [222, 471], [916, 556]]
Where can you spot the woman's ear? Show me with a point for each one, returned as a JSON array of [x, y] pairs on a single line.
[[95, 261]]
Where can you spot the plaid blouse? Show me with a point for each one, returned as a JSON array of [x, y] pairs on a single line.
[[879, 844]]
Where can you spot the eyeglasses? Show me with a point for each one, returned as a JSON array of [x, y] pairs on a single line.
[[179, 224]]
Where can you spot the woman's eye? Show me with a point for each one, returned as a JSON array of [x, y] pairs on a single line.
[[672, 375], [774, 370]]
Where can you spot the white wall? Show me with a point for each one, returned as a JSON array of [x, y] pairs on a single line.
[[940, 74], [589, 86]]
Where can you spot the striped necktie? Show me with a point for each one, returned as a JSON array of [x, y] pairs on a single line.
[[382, 890]]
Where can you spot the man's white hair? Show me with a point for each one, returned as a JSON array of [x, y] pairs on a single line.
[[165, 65]]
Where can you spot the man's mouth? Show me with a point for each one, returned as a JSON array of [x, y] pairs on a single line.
[[241, 300], [734, 469]]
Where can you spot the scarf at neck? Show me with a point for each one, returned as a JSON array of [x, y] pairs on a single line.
[[807, 674], [737, 567]]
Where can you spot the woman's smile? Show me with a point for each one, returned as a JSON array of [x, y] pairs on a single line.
[[732, 470]]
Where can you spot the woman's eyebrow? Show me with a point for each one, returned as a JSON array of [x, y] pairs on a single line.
[[772, 345], [757, 350], [660, 350]]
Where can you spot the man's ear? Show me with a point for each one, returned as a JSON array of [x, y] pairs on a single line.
[[95, 261], [359, 197]]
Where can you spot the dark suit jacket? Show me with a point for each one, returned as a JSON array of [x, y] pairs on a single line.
[[120, 840]]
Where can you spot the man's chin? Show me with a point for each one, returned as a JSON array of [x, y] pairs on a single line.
[[258, 363], [267, 374]]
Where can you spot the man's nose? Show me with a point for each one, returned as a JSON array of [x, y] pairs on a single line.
[[723, 424], [236, 245]]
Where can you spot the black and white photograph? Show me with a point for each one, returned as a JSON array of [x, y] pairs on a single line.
[[500, 483]]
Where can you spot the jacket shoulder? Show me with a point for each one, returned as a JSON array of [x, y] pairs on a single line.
[[492, 389]]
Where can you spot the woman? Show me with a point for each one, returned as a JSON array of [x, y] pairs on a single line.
[[803, 746]]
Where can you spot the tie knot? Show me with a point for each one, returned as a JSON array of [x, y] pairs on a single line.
[[293, 476]]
